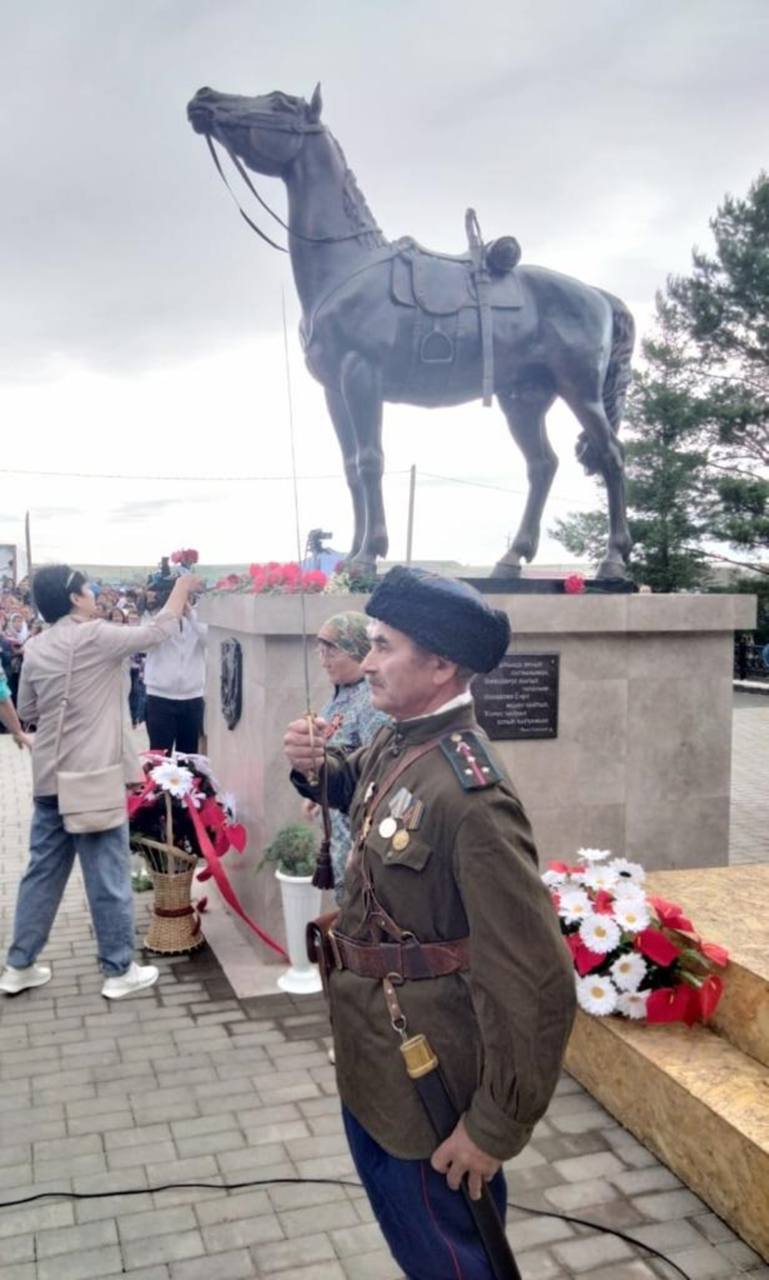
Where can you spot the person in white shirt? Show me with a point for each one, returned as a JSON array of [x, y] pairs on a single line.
[[175, 678]]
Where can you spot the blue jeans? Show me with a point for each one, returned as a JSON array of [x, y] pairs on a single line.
[[105, 861], [428, 1226]]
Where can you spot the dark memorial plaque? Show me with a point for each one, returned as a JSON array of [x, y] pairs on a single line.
[[519, 698]]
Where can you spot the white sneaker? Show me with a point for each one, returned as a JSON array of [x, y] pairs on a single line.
[[134, 979], [12, 981]]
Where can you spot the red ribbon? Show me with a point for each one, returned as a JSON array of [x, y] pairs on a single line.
[[219, 874]]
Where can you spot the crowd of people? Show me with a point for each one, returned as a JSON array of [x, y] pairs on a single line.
[[19, 619]]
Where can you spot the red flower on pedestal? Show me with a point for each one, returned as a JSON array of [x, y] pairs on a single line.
[[673, 1004], [574, 585], [671, 915], [659, 948]]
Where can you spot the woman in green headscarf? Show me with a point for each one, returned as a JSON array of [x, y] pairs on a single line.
[[342, 645]]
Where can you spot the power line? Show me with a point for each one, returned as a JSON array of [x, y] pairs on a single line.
[[499, 488], [99, 475], [335, 475]]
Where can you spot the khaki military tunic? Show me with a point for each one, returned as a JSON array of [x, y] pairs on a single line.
[[468, 869]]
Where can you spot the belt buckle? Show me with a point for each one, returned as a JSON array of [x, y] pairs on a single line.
[[335, 952]]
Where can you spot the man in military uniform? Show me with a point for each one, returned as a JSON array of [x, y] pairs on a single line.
[[443, 901]]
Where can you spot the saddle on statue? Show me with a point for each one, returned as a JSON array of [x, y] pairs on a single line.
[[442, 285]]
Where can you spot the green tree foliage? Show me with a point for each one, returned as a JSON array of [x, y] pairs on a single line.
[[697, 440]]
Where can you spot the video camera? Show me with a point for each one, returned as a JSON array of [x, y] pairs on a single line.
[[160, 584], [315, 540]]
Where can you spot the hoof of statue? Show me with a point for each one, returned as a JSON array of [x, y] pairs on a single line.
[[503, 569], [612, 569]]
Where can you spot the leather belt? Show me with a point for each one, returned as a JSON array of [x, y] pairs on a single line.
[[408, 960]]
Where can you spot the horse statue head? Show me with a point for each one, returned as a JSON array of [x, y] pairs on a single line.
[[267, 132]]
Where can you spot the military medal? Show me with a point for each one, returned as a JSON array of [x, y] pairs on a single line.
[[400, 802], [387, 828], [413, 815], [401, 841]]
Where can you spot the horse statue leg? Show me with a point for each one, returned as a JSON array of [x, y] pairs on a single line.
[[601, 453], [525, 409], [361, 385], [345, 434]]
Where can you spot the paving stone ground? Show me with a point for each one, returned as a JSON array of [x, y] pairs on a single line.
[[186, 1083]]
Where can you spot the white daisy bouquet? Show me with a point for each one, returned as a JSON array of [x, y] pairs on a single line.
[[181, 806], [634, 954]]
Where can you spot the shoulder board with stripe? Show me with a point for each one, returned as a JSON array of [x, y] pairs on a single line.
[[468, 756]]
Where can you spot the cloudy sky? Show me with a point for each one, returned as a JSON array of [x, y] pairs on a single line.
[[140, 320]]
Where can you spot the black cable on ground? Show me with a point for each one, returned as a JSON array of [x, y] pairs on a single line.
[[324, 1182]]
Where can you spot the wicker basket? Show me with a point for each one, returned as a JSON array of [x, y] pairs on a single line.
[[175, 925]]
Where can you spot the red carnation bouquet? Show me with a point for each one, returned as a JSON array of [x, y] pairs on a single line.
[[274, 578], [187, 557], [633, 954], [288, 578]]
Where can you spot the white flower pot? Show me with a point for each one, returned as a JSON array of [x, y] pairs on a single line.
[[301, 904]]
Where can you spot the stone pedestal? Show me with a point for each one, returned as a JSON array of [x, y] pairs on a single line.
[[641, 763]]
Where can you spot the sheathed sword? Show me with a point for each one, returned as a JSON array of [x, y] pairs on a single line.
[[423, 1067]]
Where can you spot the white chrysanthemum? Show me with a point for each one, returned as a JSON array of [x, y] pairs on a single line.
[[628, 871], [596, 995], [600, 878], [632, 914], [574, 905], [173, 778], [593, 855], [629, 971], [553, 878], [600, 933], [628, 889], [633, 1003]]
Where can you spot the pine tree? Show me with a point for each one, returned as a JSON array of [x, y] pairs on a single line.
[[697, 441]]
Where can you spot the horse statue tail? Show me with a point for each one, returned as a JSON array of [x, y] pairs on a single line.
[[617, 379]]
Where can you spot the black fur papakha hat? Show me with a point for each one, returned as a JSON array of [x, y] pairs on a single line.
[[443, 615]]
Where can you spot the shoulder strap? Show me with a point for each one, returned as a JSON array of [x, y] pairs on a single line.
[[64, 700]]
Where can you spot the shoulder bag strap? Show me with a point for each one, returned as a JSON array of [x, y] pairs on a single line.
[[64, 701]]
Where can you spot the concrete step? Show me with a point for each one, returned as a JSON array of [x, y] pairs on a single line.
[[730, 906], [700, 1104]]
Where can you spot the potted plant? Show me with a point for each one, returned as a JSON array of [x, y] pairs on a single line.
[[292, 852]]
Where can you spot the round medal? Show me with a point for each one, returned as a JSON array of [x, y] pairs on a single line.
[[400, 841], [387, 828]]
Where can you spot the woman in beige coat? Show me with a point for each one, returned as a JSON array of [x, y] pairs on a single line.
[[93, 733]]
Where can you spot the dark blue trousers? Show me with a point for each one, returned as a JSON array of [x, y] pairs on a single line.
[[427, 1226]]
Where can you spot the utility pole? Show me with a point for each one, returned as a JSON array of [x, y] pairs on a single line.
[[28, 541], [410, 525]]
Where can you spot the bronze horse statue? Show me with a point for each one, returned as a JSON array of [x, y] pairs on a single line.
[[391, 321]]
